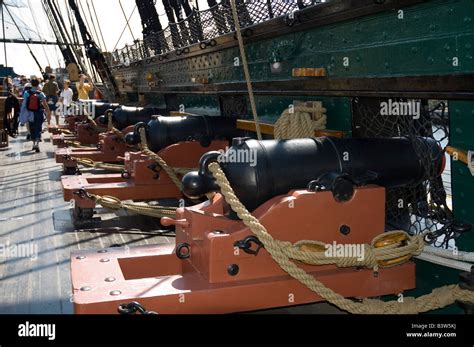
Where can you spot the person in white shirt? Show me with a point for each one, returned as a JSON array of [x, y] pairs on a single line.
[[41, 85], [65, 99]]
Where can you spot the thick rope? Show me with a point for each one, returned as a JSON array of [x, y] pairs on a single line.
[[297, 123], [172, 173], [111, 128], [65, 131], [116, 204], [92, 121], [246, 68], [312, 252], [75, 144], [98, 165], [94, 125], [438, 298]]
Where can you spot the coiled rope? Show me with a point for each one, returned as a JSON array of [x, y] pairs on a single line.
[[283, 252], [296, 123]]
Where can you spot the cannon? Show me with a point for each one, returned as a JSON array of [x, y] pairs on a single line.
[[111, 146], [180, 141], [326, 189], [87, 134], [78, 115], [334, 163], [163, 131]]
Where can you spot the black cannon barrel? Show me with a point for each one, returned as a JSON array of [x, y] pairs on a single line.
[[125, 116], [260, 170], [98, 108], [164, 131]]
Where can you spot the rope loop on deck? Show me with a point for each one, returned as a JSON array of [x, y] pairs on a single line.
[[98, 165], [115, 204]]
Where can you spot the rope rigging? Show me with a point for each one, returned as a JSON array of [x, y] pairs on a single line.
[[22, 24], [98, 25], [38, 31], [87, 18], [57, 50], [125, 28], [91, 18], [3, 30], [128, 21], [96, 57], [23, 37], [246, 68], [94, 39], [58, 29], [78, 50]]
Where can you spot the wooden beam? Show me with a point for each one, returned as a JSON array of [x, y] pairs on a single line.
[[269, 129], [458, 154], [247, 125], [308, 72], [455, 87]]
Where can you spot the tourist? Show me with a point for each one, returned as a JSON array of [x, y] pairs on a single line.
[[12, 111], [26, 116], [37, 104], [8, 84], [51, 90], [84, 88], [21, 87], [65, 98], [41, 83]]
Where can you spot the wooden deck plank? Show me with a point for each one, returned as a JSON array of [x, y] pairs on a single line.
[[32, 212]]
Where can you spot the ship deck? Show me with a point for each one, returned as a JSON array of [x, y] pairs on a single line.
[[33, 213]]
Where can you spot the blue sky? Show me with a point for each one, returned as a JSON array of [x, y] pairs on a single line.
[[112, 24]]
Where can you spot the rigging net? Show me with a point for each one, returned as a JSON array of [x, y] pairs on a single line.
[[200, 26], [420, 207]]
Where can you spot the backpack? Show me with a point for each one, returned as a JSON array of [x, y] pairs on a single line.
[[33, 103]]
